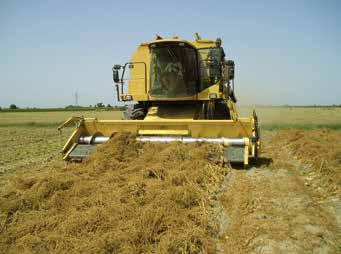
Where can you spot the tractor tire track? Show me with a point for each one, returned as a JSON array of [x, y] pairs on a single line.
[[272, 209]]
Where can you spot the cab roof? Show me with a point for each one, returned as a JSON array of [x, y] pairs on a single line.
[[195, 44]]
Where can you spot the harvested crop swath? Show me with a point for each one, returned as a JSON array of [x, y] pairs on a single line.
[[128, 197], [319, 149]]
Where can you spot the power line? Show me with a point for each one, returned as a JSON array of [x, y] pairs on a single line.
[[76, 99]]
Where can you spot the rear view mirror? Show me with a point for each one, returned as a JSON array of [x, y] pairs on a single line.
[[116, 77], [115, 73]]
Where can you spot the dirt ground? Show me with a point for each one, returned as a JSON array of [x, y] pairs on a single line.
[[151, 198], [290, 203]]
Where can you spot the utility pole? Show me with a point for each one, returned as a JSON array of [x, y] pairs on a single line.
[[76, 99]]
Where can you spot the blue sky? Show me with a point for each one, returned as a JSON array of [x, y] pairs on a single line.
[[286, 52]]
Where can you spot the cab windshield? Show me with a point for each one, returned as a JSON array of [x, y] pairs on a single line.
[[173, 71]]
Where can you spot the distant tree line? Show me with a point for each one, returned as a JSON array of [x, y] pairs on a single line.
[[108, 107], [97, 106], [292, 106]]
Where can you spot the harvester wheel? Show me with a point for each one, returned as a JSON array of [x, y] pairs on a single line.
[[221, 111], [135, 112]]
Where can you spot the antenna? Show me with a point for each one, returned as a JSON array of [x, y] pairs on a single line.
[[76, 99]]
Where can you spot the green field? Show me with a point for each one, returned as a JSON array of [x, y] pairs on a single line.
[[50, 119], [269, 117], [295, 117]]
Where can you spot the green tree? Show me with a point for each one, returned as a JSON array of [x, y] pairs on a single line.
[[13, 106], [100, 105]]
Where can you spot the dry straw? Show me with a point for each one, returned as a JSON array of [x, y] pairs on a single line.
[[128, 198]]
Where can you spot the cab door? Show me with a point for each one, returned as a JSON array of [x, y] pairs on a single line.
[[209, 67]]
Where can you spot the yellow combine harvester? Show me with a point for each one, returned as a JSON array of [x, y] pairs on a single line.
[[184, 92]]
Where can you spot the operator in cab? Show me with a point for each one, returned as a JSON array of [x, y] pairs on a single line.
[[172, 79]]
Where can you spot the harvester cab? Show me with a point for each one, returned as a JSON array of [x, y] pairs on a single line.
[[183, 92]]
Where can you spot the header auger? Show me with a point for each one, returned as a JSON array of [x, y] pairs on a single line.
[[184, 92]]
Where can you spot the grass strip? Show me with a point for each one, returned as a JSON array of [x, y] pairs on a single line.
[[31, 125], [271, 127]]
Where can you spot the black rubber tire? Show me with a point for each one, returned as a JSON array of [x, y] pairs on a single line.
[[221, 111], [135, 112]]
